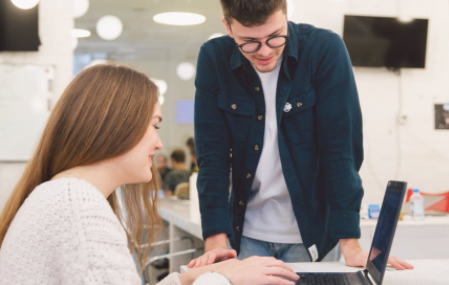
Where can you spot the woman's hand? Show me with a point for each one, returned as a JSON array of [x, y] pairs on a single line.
[[258, 271], [254, 270], [188, 277]]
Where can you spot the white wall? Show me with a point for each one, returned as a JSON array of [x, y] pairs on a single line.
[[173, 135], [412, 152], [55, 24]]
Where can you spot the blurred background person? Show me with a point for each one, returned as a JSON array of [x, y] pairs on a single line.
[[191, 146], [162, 166], [179, 173]]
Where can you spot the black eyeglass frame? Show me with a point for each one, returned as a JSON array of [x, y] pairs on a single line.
[[260, 43]]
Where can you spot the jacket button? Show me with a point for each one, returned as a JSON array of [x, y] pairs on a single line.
[[241, 203], [260, 117], [237, 228], [299, 104], [248, 175], [234, 106], [257, 89], [256, 147]]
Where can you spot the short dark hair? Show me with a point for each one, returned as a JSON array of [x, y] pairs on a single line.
[[178, 155], [251, 12], [191, 145]]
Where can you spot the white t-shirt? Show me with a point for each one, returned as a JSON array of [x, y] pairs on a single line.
[[269, 214]]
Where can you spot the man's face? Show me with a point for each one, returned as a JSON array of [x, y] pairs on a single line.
[[266, 58]]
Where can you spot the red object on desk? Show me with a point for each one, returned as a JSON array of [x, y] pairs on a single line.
[[438, 202]]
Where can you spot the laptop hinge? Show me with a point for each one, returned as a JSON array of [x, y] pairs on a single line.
[[367, 278]]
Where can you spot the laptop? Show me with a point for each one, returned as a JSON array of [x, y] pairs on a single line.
[[380, 247]]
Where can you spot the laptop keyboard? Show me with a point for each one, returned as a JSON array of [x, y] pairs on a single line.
[[322, 278]]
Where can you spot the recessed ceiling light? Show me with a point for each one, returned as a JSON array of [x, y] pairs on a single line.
[[185, 70], [179, 19], [109, 27], [80, 33], [80, 8], [161, 85], [405, 19], [25, 4]]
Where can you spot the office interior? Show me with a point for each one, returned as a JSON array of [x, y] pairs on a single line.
[[405, 108]]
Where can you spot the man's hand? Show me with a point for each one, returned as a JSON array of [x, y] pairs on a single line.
[[215, 250], [356, 257]]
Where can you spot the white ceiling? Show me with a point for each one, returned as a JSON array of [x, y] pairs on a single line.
[[142, 38]]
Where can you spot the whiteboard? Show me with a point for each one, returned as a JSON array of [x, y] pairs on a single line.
[[25, 93]]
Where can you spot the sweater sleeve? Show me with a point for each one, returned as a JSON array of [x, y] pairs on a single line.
[[212, 278], [208, 278], [105, 245], [171, 279]]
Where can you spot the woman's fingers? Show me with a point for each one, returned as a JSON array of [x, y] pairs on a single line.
[[281, 272]]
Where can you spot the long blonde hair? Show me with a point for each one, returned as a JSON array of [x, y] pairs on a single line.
[[103, 113]]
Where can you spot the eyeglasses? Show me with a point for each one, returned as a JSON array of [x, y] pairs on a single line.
[[253, 46]]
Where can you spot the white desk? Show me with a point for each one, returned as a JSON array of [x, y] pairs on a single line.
[[428, 239], [177, 214], [426, 272]]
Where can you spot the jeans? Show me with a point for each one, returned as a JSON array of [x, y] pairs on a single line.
[[287, 252]]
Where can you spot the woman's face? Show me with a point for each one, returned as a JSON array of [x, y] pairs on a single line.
[[136, 164]]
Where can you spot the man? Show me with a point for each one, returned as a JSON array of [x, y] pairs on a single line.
[[190, 143], [277, 103], [162, 166], [179, 173]]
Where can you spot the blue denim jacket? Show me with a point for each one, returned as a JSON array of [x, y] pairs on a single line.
[[320, 138]]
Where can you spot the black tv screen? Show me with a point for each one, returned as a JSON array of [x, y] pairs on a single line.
[[19, 29], [389, 42]]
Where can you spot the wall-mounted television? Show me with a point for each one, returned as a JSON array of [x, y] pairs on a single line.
[[19, 29], [386, 42]]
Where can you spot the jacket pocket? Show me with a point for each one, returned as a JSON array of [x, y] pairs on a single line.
[[238, 112], [299, 122]]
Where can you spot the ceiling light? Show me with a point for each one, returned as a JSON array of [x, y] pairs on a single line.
[[109, 27], [161, 99], [405, 19], [161, 85], [80, 8], [179, 18], [185, 70], [80, 33], [216, 35], [25, 4]]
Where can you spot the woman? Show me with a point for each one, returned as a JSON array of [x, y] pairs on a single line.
[[62, 223]]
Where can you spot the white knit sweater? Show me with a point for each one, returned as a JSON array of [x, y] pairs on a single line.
[[66, 233]]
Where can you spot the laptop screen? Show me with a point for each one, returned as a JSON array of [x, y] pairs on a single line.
[[385, 229]]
